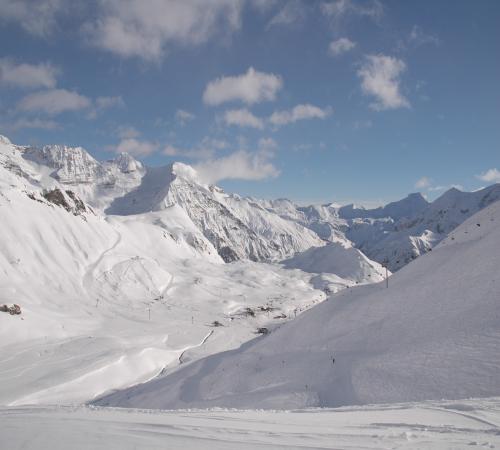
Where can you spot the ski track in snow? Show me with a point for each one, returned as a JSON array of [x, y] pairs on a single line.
[[87, 278], [424, 425]]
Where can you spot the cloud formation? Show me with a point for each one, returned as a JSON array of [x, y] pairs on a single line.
[[241, 165], [299, 112], [380, 78], [338, 10], [250, 87], [27, 75], [490, 176], [147, 29], [35, 123], [182, 117], [291, 13], [36, 17], [423, 183], [136, 147], [243, 118], [418, 37], [340, 46], [54, 101]]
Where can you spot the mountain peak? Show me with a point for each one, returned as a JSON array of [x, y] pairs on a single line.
[[126, 163]]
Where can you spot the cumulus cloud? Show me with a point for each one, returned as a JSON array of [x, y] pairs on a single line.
[[380, 78], [27, 75], [299, 112], [243, 118], [54, 101], [250, 87], [183, 117], [242, 165], [147, 29], [339, 10], [340, 46], [423, 183], [490, 176], [136, 147], [292, 12], [36, 17]]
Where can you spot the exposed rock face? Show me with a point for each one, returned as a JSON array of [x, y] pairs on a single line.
[[66, 199]]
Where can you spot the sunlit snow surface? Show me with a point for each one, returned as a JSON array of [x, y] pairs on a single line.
[[429, 425]]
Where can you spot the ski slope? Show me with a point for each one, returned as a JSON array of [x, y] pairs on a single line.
[[433, 334], [431, 425]]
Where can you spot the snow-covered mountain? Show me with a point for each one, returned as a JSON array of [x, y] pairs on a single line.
[[399, 241], [433, 334], [237, 227], [407, 207]]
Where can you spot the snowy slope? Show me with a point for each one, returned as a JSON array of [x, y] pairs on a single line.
[[431, 425], [341, 259], [112, 301], [435, 333]]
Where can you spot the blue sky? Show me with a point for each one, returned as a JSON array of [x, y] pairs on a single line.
[[335, 100]]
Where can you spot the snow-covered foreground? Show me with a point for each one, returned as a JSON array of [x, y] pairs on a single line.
[[429, 425]]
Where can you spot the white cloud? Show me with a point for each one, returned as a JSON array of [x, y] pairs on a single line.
[[136, 147], [423, 183], [183, 117], [103, 103], [418, 37], [380, 77], [251, 87], [338, 10], [36, 17], [292, 12], [243, 118], [242, 165], [490, 176], [341, 46], [136, 28], [263, 5], [299, 112], [124, 132], [37, 123], [54, 101], [217, 144], [206, 149], [27, 75], [267, 145]]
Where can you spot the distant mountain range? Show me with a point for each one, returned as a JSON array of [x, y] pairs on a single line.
[[254, 229]]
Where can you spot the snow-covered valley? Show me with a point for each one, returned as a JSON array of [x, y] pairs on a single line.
[[146, 288]]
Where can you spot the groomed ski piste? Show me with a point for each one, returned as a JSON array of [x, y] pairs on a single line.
[[443, 425]]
